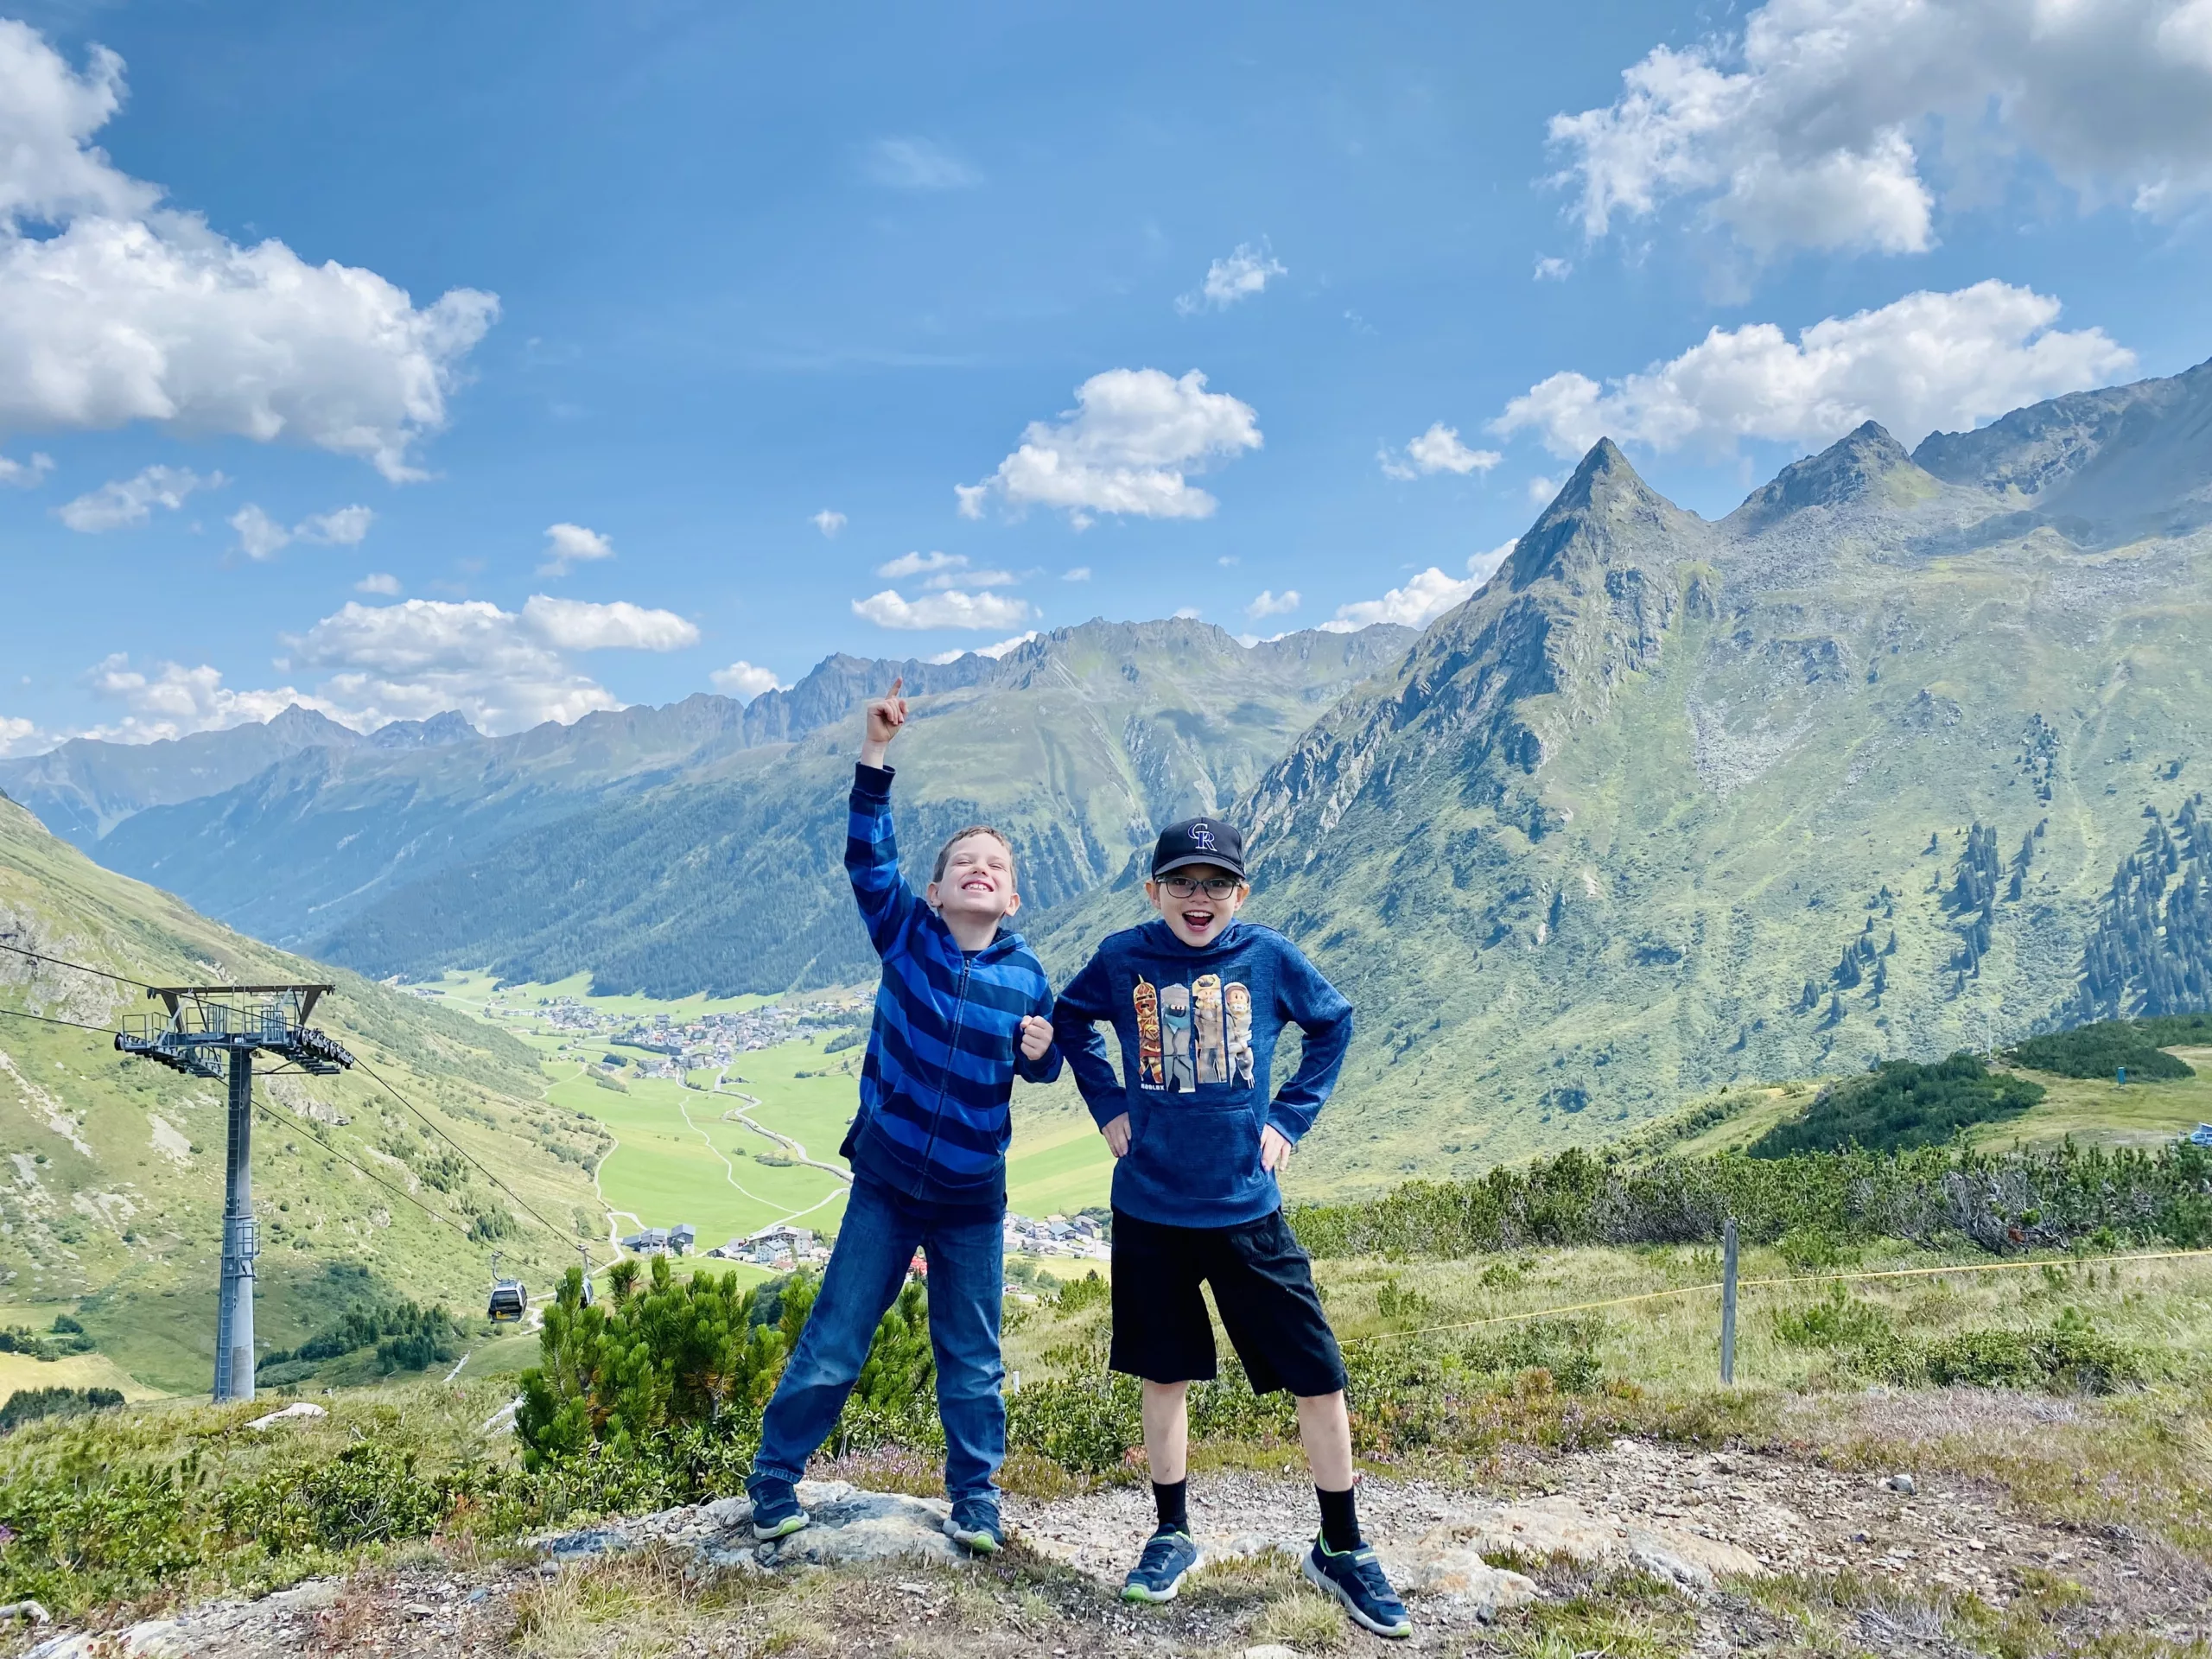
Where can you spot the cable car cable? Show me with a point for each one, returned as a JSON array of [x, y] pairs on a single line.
[[47, 1020], [274, 1116], [469, 1156], [39, 956]]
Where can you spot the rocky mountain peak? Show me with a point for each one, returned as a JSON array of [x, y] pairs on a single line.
[[1856, 467], [1605, 511], [437, 732]]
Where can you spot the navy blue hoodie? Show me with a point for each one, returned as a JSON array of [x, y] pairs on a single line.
[[1198, 1025]]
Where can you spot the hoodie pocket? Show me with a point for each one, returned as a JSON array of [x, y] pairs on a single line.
[[1187, 1147]]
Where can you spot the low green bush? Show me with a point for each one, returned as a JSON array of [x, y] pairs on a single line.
[[2100, 1051], [1899, 1105]]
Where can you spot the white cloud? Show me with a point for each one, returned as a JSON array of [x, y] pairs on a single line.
[[1267, 602], [170, 700], [991, 652], [917, 164], [1552, 270], [1920, 363], [1848, 124], [1423, 598], [1080, 573], [505, 670], [578, 624], [745, 681], [919, 564], [19, 736], [25, 474], [1239, 276], [1540, 489], [829, 521], [340, 527], [260, 537], [1126, 448], [378, 581], [951, 610], [1437, 450], [116, 310], [571, 545], [1187, 614], [972, 579], [132, 500]]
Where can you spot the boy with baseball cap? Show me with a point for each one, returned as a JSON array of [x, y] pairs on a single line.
[[1198, 1000]]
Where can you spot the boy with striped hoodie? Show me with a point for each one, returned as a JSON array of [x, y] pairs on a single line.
[[963, 1009]]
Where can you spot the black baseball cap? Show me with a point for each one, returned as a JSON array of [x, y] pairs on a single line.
[[1199, 841]]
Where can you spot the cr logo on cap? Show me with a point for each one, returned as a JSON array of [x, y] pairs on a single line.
[[1202, 836]]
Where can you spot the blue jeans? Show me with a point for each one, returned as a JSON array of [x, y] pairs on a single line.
[[967, 1283]]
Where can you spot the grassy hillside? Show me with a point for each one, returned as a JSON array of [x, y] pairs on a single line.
[[115, 1183]]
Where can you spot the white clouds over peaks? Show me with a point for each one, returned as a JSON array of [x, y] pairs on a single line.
[[132, 500], [1423, 598], [1126, 448], [1920, 363], [128, 311], [920, 564], [1838, 123], [572, 544], [1268, 602], [505, 671], [950, 608], [173, 701], [1437, 450], [1242, 275], [745, 681], [991, 652]]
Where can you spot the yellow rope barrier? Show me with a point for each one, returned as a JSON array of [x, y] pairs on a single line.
[[1792, 1279]]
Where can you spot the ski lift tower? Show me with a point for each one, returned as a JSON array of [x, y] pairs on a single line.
[[211, 1031]]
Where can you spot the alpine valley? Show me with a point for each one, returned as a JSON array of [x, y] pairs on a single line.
[[1903, 755]]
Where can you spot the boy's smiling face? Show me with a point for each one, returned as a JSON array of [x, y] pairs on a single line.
[[1197, 901], [977, 882]]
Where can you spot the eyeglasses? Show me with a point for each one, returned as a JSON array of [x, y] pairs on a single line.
[[1217, 889]]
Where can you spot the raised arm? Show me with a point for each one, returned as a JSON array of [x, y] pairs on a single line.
[[871, 847]]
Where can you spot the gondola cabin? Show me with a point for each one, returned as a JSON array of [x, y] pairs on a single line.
[[510, 1300]]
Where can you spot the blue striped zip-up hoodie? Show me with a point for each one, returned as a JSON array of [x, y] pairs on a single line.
[[945, 1046]]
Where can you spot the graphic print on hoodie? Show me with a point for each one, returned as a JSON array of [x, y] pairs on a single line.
[[1197, 1027]]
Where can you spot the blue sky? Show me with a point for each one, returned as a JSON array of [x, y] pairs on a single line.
[[1218, 305]]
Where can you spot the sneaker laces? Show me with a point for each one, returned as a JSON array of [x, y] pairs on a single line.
[[1367, 1569]]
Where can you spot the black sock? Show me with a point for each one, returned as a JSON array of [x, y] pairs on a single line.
[[1339, 1520], [1171, 1496]]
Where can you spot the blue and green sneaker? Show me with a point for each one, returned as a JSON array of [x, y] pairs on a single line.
[[1355, 1578], [776, 1512], [1159, 1572]]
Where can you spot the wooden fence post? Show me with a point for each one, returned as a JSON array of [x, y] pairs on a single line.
[[1728, 1301]]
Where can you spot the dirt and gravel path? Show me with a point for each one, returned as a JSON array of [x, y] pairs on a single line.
[[1920, 1543]]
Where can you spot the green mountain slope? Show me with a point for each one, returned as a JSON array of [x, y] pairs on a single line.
[[114, 1187], [1882, 765], [731, 879]]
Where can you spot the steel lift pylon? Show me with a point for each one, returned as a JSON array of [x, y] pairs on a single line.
[[214, 1031]]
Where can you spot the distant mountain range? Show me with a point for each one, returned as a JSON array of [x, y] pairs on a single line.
[[1902, 754], [698, 846]]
